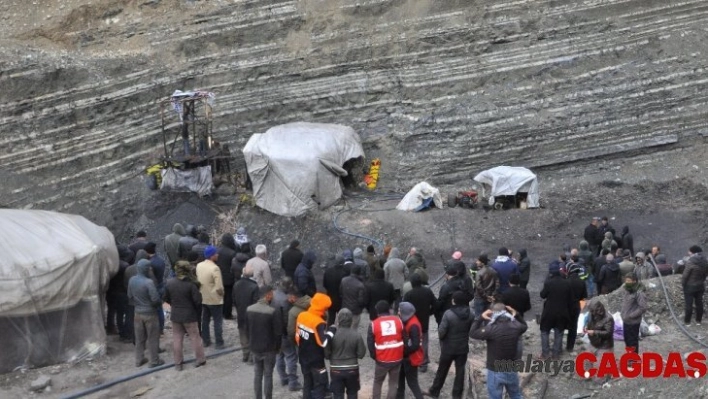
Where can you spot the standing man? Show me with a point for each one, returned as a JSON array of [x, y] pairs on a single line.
[[372, 260], [412, 351], [634, 304], [423, 300], [311, 338], [344, 353], [261, 268], [578, 292], [453, 332], [304, 279], [505, 267], [378, 290], [500, 327], [171, 243], [556, 312], [414, 260], [524, 268], [354, 294], [266, 323], [212, 289], [290, 258], [144, 296], [332, 281], [286, 359], [227, 252], [385, 341], [486, 286], [245, 295], [186, 300], [187, 242], [517, 298], [587, 260], [140, 241], [158, 266], [693, 283], [593, 236], [396, 273]]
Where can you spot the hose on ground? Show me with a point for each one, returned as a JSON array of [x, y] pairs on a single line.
[[671, 308], [139, 374]]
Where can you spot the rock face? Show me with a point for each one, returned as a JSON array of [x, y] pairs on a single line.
[[437, 89]]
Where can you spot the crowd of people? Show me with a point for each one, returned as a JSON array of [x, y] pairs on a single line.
[[299, 320]]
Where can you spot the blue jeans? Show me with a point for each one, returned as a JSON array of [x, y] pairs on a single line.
[[497, 381], [286, 363], [480, 305], [546, 343], [215, 311], [590, 285]]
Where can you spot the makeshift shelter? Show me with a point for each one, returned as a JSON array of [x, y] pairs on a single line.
[[421, 196], [54, 272], [509, 181], [298, 166]]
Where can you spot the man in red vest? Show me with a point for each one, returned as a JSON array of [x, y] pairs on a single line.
[[385, 341], [413, 354]]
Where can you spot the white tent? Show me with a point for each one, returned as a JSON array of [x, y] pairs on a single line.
[[54, 272], [298, 166], [509, 180], [417, 195]]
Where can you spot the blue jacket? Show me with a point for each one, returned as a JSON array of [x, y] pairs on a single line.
[[303, 278], [505, 267], [142, 291]]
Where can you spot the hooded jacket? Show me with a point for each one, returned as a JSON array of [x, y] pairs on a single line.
[[524, 266], [627, 240], [634, 304], [300, 305], [303, 279], [587, 257], [505, 267], [171, 243], [424, 301], [227, 252], [347, 346], [290, 259], [395, 269], [610, 277], [142, 291], [454, 330], [694, 274], [414, 262], [312, 333], [359, 261], [331, 281], [186, 243], [378, 290], [185, 299], [608, 241], [353, 294], [603, 326]]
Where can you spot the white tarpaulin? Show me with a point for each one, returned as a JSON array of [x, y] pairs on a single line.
[[190, 180], [417, 195], [54, 273], [294, 167], [508, 180]]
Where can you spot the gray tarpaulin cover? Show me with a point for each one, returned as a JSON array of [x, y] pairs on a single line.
[[196, 180], [508, 180], [54, 272], [295, 166]]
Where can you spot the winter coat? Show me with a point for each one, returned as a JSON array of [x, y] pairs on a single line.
[[185, 245], [608, 242], [694, 275], [592, 236], [142, 292], [587, 257], [331, 281], [245, 294], [266, 324], [261, 271], [556, 307], [116, 285], [158, 266], [290, 259], [578, 291], [238, 263], [414, 262], [610, 277], [363, 265], [524, 266], [212, 286], [626, 267], [347, 346], [199, 248], [644, 271], [282, 304], [171, 243], [353, 294], [454, 329], [487, 283], [303, 278], [603, 329], [445, 296], [634, 304], [378, 290], [313, 335], [627, 240], [185, 299], [395, 270], [227, 252], [373, 261], [424, 301], [505, 267], [518, 299], [502, 338], [138, 244], [300, 305]]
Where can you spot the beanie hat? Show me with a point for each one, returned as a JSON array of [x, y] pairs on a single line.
[[457, 255], [209, 251], [460, 298], [407, 310]]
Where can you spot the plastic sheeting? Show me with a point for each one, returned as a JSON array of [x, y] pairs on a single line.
[[54, 273], [297, 167], [416, 197], [196, 180], [508, 180]]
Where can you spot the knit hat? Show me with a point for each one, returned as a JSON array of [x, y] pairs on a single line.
[[209, 251], [457, 255], [407, 310]]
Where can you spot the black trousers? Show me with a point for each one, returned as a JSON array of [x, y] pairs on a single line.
[[315, 381], [409, 374], [573, 328], [631, 336], [344, 380], [443, 368], [228, 302], [691, 295]]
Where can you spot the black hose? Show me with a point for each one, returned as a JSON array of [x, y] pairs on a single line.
[[671, 308], [139, 374]]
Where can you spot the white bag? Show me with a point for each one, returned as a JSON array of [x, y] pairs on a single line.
[[653, 329], [582, 321]]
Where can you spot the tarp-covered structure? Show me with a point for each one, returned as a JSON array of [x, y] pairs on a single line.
[[510, 180], [421, 196], [297, 167], [54, 273], [196, 180]]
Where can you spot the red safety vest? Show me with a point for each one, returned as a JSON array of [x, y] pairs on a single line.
[[388, 338], [416, 358]]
